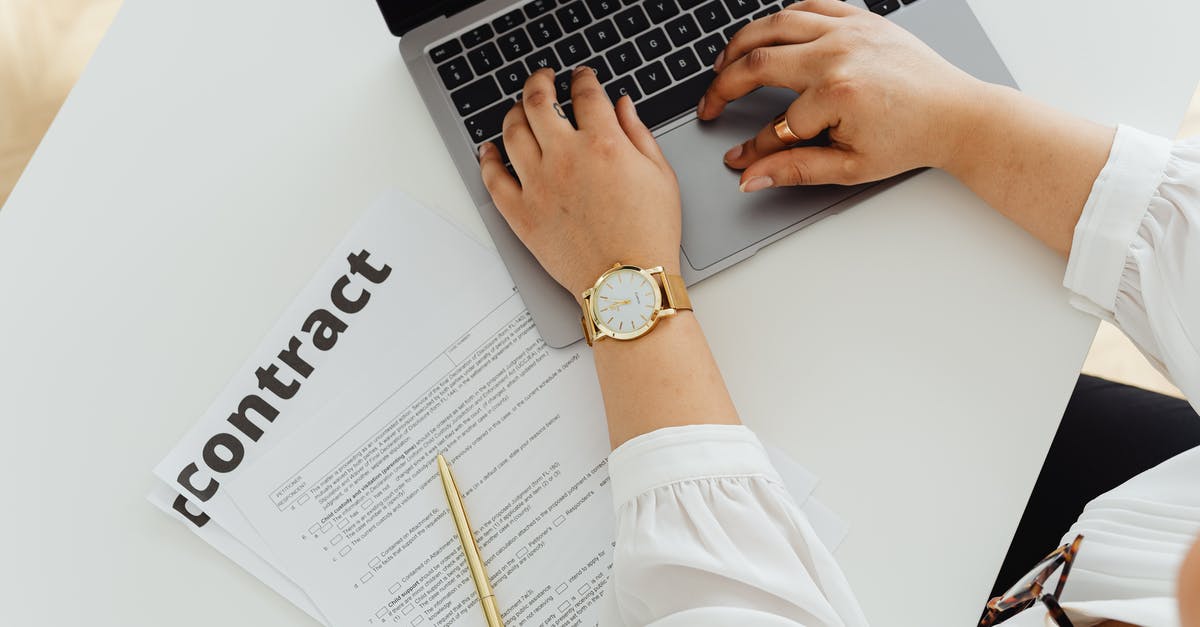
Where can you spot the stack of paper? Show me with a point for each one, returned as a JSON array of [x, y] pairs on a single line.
[[314, 469]]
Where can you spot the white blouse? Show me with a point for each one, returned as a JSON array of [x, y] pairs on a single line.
[[685, 497]]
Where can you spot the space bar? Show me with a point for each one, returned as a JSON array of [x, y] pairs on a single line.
[[679, 98]]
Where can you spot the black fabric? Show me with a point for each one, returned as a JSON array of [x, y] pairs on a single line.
[[1109, 434]]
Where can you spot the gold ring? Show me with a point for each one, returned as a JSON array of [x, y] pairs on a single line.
[[783, 131]]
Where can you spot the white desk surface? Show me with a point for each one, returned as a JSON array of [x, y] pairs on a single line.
[[916, 352]]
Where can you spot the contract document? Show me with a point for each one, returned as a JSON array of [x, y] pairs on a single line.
[[314, 469]]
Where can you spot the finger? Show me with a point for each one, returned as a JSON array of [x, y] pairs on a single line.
[[504, 189], [593, 109], [784, 27], [807, 116], [637, 132], [832, 8], [774, 66], [810, 165], [543, 111], [523, 149]]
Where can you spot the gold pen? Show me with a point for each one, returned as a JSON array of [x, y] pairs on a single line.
[[483, 586]]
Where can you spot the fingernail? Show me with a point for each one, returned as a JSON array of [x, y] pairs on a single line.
[[718, 61], [484, 149], [733, 153], [700, 106], [581, 68], [756, 184]]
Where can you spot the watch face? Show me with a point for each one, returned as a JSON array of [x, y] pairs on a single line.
[[625, 302]]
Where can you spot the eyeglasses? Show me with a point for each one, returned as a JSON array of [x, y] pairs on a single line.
[[1029, 590]]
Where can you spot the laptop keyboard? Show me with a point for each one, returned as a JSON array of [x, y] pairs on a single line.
[[659, 52]]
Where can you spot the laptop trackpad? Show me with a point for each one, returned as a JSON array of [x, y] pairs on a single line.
[[718, 220]]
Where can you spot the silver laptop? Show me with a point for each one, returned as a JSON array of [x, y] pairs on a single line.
[[470, 58]]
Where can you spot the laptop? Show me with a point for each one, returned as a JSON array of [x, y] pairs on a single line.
[[470, 58]]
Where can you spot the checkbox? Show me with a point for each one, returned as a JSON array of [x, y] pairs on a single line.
[[382, 611], [326, 527], [344, 551], [560, 520], [522, 553], [374, 563], [564, 606], [418, 620], [338, 538], [395, 588], [407, 609], [367, 577], [562, 587], [314, 528], [585, 588], [343, 522], [303, 499]]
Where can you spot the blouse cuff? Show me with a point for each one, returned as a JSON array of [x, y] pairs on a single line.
[[1120, 198], [676, 454]]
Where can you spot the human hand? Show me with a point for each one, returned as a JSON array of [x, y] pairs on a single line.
[[891, 104], [587, 198]]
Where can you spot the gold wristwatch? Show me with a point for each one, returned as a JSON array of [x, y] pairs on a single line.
[[627, 301]]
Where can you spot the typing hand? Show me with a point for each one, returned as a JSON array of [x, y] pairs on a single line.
[[891, 103], [590, 197]]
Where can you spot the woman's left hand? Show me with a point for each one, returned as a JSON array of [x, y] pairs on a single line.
[[590, 197]]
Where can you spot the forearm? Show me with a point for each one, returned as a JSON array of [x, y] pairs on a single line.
[[665, 378], [1032, 163]]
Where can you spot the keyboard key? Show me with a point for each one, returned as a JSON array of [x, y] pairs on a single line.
[[712, 16], [741, 8], [455, 73], [477, 35], [623, 58], [544, 30], [708, 48], [682, 63], [573, 17], [476, 96], [544, 58], [653, 77], [512, 78], [445, 51], [883, 7], [661, 10], [601, 8], [625, 86], [485, 58], [632, 21], [571, 50], [908, 2], [562, 86], [677, 99], [682, 30], [603, 74], [487, 123], [568, 110], [602, 35], [508, 21], [499, 141], [653, 44], [765, 12], [732, 29], [515, 44], [691, 4], [538, 7]]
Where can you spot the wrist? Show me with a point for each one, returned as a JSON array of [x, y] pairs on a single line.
[[978, 118]]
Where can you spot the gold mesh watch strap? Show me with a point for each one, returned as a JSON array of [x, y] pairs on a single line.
[[676, 292]]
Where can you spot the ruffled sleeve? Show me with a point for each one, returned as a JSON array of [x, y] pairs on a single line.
[[707, 535], [1135, 257]]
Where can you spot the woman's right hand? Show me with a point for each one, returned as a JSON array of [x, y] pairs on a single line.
[[891, 104]]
